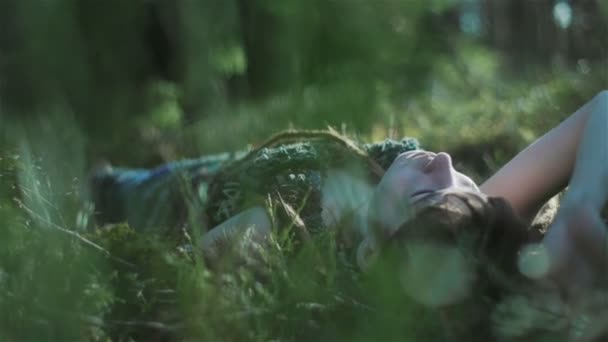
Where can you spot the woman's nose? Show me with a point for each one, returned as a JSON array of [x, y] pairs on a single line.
[[440, 168], [442, 161]]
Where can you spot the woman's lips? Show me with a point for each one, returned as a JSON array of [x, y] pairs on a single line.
[[420, 194]]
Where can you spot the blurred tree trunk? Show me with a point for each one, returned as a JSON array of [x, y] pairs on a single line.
[[523, 30], [527, 33], [260, 31], [588, 37]]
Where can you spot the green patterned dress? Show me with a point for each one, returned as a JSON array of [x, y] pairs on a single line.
[[286, 177]]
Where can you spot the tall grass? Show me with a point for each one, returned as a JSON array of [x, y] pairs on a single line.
[[64, 278]]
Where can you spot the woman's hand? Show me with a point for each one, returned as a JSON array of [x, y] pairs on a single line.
[[243, 237], [575, 244], [573, 252]]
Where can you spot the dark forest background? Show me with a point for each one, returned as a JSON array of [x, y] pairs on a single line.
[[144, 81], [141, 82]]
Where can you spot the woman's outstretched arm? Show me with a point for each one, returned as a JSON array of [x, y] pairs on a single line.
[[545, 167], [574, 248], [589, 182]]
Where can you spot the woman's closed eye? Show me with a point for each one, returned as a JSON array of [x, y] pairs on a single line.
[[417, 158], [418, 153]]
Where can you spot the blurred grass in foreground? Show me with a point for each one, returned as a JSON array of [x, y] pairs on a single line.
[[91, 82], [62, 278]]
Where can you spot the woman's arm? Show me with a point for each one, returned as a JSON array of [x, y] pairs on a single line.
[[573, 252], [240, 234], [544, 168], [589, 182]]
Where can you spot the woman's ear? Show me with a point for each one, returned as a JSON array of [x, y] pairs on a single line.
[[367, 253]]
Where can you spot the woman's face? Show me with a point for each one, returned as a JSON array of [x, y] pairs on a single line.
[[413, 176], [411, 183]]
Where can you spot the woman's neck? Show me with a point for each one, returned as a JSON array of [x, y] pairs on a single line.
[[345, 197]]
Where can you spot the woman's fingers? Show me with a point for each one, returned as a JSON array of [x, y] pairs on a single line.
[[573, 252], [589, 234]]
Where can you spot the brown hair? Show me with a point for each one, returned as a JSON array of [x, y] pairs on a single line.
[[490, 225], [485, 229]]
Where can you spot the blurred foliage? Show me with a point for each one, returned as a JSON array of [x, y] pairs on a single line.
[[140, 82], [112, 64]]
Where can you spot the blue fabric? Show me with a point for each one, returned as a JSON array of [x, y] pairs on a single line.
[[153, 198]]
